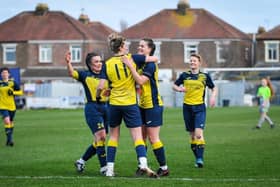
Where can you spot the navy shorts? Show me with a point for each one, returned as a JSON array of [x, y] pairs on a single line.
[[152, 117], [194, 116], [8, 113], [130, 114], [97, 116]]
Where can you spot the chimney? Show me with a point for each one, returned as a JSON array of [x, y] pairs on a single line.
[[41, 9], [84, 19], [182, 6]]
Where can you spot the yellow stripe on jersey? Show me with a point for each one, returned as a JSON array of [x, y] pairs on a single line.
[[75, 75], [157, 145], [147, 99], [122, 84]]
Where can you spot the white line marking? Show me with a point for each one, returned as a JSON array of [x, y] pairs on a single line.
[[139, 178]]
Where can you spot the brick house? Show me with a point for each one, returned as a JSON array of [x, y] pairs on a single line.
[[267, 48], [182, 31], [36, 41]]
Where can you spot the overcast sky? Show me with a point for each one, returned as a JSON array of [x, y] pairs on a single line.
[[246, 15]]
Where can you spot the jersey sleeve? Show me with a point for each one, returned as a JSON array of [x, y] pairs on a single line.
[[139, 59], [149, 70], [209, 82], [180, 80], [103, 74]]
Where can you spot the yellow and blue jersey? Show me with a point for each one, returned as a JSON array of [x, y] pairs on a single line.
[[150, 96], [90, 81], [121, 82], [195, 85], [7, 102]]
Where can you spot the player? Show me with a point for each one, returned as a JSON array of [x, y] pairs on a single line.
[[8, 90], [123, 103], [151, 105], [96, 111], [194, 111], [265, 93]]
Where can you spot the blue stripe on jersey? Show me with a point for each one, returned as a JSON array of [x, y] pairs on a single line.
[[117, 71]]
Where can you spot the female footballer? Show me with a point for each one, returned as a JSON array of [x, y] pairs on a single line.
[[96, 112], [194, 110], [151, 105], [265, 92], [8, 90], [123, 103]]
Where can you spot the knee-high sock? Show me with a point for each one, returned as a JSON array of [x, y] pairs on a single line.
[[90, 152], [141, 153], [111, 150], [193, 147], [101, 153], [261, 120], [268, 119], [159, 152], [200, 146], [9, 132]]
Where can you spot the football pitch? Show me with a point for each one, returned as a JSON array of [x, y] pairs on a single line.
[[47, 142]]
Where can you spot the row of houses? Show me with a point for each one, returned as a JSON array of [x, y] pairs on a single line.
[[36, 41]]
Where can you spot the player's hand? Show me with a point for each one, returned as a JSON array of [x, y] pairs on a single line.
[[126, 61], [212, 102], [68, 57], [10, 92], [106, 93]]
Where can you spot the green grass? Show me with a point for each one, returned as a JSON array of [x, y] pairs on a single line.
[[47, 142]]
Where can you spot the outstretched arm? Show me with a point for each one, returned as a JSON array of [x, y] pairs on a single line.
[[151, 59]]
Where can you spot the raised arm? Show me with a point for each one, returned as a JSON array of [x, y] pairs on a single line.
[[69, 65]]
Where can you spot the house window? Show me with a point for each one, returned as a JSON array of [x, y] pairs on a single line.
[[45, 52], [189, 48], [9, 53], [76, 53], [220, 53], [157, 51], [272, 51]]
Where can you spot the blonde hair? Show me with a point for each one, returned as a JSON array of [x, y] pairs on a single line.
[[115, 41]]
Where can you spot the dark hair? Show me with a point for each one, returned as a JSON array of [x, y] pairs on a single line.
[[4, 69], [88, 59], [151, 45], [115, 42]]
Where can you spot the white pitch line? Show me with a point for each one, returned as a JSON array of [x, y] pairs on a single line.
[[139, 178]]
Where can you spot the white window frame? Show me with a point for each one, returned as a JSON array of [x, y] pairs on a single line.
[[189, 48], [45, 53], [9, 48], [220, 45], [268, 49], [76, 53], [157, 51]]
